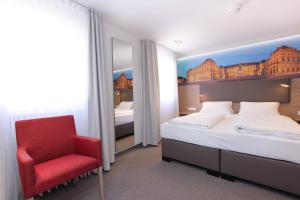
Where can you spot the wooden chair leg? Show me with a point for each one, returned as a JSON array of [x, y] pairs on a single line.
[[100, 174]]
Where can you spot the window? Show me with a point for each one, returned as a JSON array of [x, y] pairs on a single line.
[[46, 64]]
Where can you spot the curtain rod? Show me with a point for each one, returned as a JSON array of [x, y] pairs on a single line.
[[80, 4]]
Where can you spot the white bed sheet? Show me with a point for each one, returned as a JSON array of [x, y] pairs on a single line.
[[123, 116], [224, 136]]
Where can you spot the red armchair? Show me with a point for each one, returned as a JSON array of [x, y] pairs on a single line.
[[50, 153]]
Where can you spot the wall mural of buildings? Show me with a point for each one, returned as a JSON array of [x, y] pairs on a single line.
[[278, 58], [123, 79]]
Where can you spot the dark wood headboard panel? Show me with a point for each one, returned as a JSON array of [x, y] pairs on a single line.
[[126, 95], [263, 90]]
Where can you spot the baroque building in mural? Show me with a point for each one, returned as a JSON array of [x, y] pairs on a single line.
[[284, 60], [123, 82]]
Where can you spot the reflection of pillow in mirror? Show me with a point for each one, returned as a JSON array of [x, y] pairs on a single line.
[[126, 105]]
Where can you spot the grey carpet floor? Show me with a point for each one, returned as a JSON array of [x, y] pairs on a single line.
[[139, 174]]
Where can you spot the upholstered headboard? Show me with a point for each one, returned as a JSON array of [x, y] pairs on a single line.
[[263, 90]]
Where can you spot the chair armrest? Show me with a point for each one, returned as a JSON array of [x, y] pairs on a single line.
[[27, 172], [89, 147]]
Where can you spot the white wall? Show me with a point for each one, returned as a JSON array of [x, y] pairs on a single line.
[[109, 32]]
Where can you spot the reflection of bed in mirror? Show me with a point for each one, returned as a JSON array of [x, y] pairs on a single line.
[[123, 94], [124, 125]]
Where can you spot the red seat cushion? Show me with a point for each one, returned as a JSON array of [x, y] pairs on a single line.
[[54, 172]]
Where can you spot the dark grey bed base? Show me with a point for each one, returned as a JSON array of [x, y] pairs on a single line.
[[277, 174], [124, 130], [192, 154], [273, 173]]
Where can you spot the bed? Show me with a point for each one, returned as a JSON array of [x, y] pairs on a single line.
[[223, 151], [124, 120]]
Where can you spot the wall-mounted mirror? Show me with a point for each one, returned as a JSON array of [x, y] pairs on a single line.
[[123, 94]]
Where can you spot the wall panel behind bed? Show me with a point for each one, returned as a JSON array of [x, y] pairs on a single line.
[[264, 90], [189, 98]]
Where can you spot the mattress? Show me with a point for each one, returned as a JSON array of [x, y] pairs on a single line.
[[123, 116], [224, 136]]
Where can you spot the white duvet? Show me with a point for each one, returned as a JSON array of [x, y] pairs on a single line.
[[275, 125], [198, 120], [123, 116], [225, 136], [122, 112]]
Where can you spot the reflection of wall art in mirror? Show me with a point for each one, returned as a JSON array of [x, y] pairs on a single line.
[[123, 79], [275, 59]]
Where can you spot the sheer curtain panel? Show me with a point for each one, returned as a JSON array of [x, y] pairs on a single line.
[[44, 69], [149, 98], [168, 87], [101, 113]]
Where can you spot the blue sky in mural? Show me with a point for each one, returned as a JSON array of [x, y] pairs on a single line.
[[127, 72], [246, 54]]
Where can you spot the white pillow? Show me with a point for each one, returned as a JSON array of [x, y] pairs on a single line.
[[126, 105], [218, 107], [259, 108]]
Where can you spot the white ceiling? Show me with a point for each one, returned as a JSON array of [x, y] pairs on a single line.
[[202, 25]]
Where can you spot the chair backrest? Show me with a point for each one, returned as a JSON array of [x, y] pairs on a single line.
[[46, 138]]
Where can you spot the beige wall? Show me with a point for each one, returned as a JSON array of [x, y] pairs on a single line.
[[294, 105], [189, 98], [117, 98]]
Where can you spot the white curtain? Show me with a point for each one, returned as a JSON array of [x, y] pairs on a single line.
[[101, 106], [149, 98], [44, 68], [168, 87]]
